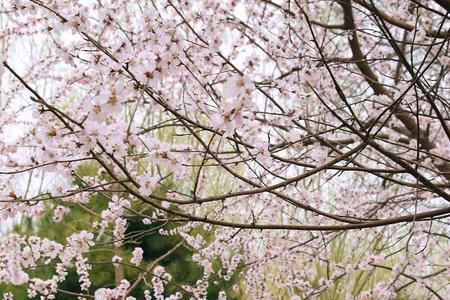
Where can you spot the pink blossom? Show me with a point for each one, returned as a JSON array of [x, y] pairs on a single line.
[[81, 241], [137, 256]]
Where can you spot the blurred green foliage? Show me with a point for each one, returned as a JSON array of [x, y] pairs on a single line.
[[179, 263]]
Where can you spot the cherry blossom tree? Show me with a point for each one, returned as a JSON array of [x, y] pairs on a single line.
[[302, 146]]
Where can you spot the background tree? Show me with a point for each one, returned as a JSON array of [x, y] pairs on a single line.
[[168, 251]]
